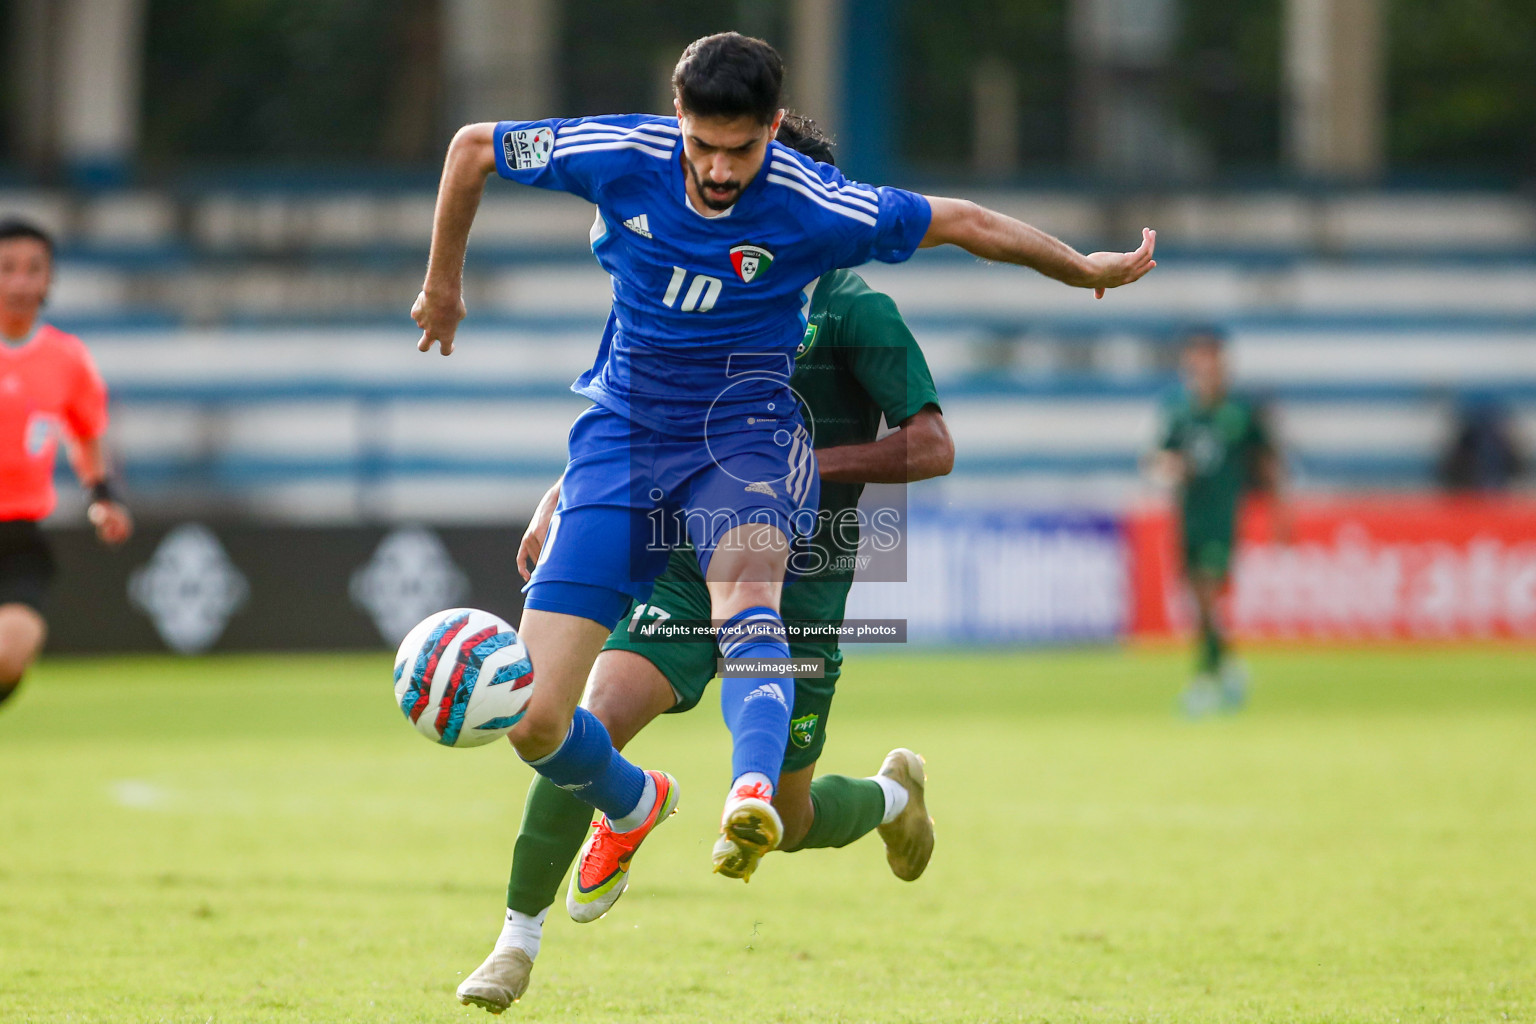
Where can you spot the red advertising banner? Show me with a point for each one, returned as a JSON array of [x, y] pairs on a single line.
[[1362, 568]]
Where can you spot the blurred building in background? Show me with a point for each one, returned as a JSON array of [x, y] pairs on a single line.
[[243, 191]]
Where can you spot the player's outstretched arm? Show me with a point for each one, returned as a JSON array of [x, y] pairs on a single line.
[[1274, 481], [995, 236], [919, 449], [440, 306], [1167, 469]]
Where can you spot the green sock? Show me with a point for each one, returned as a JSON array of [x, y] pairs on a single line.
[[554, 827], [1212, 647], [844, 808]]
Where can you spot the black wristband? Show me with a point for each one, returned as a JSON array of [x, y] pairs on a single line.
[[102, 490]]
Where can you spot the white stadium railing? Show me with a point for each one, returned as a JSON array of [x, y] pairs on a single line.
[[260, 356]]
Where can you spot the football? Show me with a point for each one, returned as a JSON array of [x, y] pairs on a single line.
[[462, 677]]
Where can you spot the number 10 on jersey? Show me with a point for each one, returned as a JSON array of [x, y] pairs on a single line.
[[701, 296]]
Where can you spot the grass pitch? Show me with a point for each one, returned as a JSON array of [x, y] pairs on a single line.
[[264, 839]]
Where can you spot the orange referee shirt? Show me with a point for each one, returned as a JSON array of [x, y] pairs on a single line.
[[47, 386]]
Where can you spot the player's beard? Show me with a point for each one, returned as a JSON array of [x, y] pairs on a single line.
[[733, 186]]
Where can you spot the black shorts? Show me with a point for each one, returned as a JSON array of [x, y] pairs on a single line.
[[26, 564]]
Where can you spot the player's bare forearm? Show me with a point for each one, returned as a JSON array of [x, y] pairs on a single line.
[[1167, 468], [440, 306], [1272, 476], [532, 546], [996, 236], [471, 159], [919, 450], [111, 518], [89, 459], [1274, 483]]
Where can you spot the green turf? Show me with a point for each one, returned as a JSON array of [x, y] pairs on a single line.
[[263, 839]]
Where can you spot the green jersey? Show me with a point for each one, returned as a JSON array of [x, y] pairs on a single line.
[[858, 362], [1220, 445]]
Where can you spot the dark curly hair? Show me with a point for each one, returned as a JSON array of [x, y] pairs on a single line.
[[729, 75], [803, 135]]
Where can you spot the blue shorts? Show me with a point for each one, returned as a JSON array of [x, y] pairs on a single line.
[[631, 494]]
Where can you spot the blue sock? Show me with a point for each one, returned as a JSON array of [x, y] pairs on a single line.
[[756, 709], [587, 765]]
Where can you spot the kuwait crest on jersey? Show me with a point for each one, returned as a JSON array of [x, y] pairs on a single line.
[[750, 261]]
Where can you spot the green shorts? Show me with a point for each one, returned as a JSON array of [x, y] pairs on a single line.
[[689, 664], [1208, 554]]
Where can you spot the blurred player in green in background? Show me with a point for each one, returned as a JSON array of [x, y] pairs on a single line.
[[1214, 448], [858, 362]]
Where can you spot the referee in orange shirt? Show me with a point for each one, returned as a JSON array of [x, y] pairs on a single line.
[[49, 390]]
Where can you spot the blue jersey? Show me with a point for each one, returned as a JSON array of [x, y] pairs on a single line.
[[707, 311]]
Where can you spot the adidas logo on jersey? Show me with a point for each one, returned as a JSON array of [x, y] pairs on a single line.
[[639, 226], [762, 488]]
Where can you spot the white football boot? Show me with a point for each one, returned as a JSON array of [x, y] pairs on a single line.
[[1234, 685], [499, 982], [1201, 698], [909, 836]]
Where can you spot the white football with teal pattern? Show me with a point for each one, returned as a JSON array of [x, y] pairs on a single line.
[[462, 677]]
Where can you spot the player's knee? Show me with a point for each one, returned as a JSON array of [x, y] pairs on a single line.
[[22, 632], [540, 732], [12, 668], [13, 665], [756, 593]]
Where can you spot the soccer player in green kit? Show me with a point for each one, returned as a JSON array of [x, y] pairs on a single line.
[[859, 361], [1215, 447]]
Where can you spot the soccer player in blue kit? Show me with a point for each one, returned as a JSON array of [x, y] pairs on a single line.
[[710, 231]]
